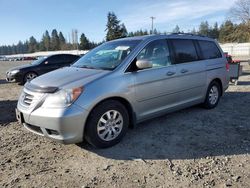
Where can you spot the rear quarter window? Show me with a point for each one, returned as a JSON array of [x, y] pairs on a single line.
[[209, 50], [184, 50]]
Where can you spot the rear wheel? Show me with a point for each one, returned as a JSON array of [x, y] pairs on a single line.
[[29, 76], [107, 124], [213, 95]]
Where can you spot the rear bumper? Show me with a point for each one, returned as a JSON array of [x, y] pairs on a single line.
[[63, 125]]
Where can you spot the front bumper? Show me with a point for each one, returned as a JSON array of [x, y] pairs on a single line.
[[10, 78], [13, 77], [63, 125]]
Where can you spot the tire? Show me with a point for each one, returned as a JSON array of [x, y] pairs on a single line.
[[107, 124], [213, 95], [29, 76]]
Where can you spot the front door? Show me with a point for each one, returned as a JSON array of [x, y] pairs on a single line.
[[155, 87]]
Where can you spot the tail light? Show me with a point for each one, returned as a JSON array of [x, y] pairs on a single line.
[[227, 66]]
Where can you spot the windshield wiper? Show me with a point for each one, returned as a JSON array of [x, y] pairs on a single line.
[[99, 68], [87, 67], [106, 68]]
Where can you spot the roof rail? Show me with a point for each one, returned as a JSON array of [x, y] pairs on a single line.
[[180, 33]]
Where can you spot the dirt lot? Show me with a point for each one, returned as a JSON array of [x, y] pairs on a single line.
[[190, 148]]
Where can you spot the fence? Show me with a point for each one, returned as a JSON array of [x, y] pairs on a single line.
[[47, 53], [239, 50]]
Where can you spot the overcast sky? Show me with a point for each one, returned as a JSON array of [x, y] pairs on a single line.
[[21, 19]]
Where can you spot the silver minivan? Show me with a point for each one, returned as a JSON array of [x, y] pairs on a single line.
[[121, 83]]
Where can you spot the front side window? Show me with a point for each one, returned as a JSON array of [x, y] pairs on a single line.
[[38, 61], [108, 55], [209, 50], [157, 53], [184, 50]]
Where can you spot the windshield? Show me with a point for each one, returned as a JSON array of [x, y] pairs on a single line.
[[107, 56], [37, 62]]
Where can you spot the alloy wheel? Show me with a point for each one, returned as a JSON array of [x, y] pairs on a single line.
[[110, 125]]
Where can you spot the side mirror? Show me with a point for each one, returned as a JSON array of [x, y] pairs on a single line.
[[143, 64]]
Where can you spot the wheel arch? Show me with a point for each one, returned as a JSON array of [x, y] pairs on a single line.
[[127, 105], [29, 71], [218, 80]]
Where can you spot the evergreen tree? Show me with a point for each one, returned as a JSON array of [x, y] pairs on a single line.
[[176, 29], [214, 33], [226, 32], [114, 29], [46, 41], [55, 44], [123, 31], [194, 32], [204, 28], [32, 45], [84, 42], [130, 34], [19, 48], [62, 41]]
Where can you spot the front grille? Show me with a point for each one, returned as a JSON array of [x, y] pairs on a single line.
[[30, 99], [27, 99]]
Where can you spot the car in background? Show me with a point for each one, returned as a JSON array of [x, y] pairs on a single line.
[[29, 58], [24, 73]]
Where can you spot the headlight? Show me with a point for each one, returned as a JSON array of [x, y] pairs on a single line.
[[14, 71], [62, 98]]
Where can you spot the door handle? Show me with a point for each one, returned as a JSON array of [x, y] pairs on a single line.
[[184, 70], [170, 73]]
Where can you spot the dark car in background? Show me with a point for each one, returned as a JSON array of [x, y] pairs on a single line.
[[24, 73]]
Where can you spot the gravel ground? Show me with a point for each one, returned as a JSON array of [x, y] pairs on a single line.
[[190, 148]]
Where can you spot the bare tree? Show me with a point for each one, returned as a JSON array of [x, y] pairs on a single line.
[[241, 11]]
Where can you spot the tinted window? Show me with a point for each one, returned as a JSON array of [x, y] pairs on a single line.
[[55, 59], [71, 58], [209, 50], [184, 50], [157, 52]]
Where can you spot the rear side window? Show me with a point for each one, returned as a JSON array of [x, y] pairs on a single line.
[[209, 50], [55, 59], [72, 58], [184, 50]]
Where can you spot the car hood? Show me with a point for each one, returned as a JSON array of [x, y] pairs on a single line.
[[20, 67], [67, 77]]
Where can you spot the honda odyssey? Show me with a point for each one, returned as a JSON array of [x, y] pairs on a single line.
[[121, 83]]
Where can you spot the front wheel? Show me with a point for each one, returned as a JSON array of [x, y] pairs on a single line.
[[107, 124], [29, 76], [213, 95]]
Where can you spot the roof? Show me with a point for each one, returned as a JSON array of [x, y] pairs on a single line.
[[172, 35]]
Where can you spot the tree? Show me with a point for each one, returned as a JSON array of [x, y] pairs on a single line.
[[19, 48], [62, 41], [84, 42], [194, 31], [226, 32], [45, 41], [55, 44], [32, 45], [114, 29], [176, 29], [123, 31], [204, 28], [241, 11], [214, 32]]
